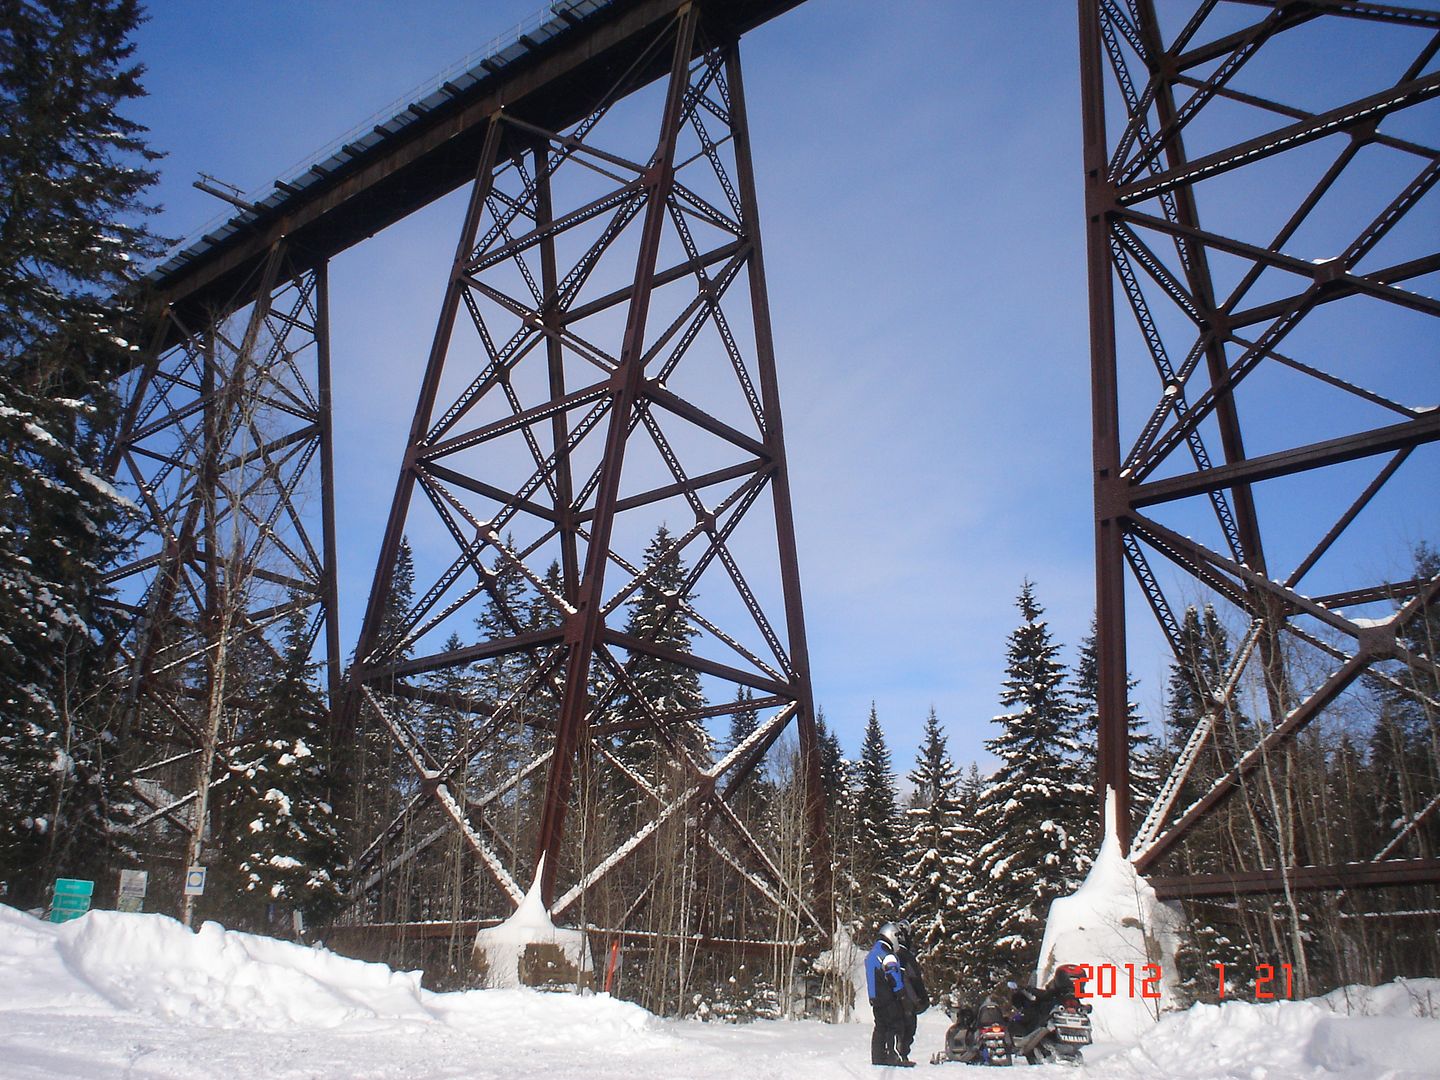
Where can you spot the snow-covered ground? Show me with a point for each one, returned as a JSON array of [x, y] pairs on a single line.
[[138, 996]]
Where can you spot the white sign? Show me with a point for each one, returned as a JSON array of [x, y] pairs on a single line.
[[132, 890], [195, 881]]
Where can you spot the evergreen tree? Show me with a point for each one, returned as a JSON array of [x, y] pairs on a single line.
[[755, 797], [400, 601], [934, 863], [669, 691], [833, 772], [377, 774], [837, 781], [508, 604], [878, 857], [541, 613], [969, 951], [1194, 677], [1211, 934], [290, 848], [448, 722], [74, 173], [1033, 808], [1145, 763], [744, 721]]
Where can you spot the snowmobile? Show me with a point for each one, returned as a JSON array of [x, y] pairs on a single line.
[[976, 1036], [1051, 1024], [1044, 1025]]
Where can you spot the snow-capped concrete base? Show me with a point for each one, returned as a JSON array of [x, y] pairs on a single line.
[[500, 950], [1114, 921]]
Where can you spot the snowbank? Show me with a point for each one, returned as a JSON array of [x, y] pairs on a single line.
[[1398, 1039], [112, 996], [1115, 919], [218, 978]]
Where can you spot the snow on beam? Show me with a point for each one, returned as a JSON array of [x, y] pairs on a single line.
[[620, 854], [760, 734], [477, 843]]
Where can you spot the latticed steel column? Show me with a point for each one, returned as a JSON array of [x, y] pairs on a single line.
[[225, 449], [603, 365], [1269, 255]]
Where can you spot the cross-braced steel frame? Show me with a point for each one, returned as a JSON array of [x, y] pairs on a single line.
[[1267, 233], [225, 449], [603, 362]]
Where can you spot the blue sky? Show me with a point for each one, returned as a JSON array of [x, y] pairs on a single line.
[[920, 184]]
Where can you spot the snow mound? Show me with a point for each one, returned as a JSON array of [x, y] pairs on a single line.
[[1115, 919], [1297, 1040], [218, 978], [222, 978]]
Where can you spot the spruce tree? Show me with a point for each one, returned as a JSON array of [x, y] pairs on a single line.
[[1195, 676], [971, 968], [934, 866], [755, 796], [541, 614], [447, 722], [1033, 809], [833, 772], [744, 720], [837, 781], [878, 856], [1211, 934], [668, 690], [508, 606], [1145, 763], [291, 855], [1405, 746], [377, 786], [74, 172], [400, 601]]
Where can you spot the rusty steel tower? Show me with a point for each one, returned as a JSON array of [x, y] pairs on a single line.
[[603, 365], [225, 449], [1256, 188]]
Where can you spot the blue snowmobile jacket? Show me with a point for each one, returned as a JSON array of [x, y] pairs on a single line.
[[884, 977]]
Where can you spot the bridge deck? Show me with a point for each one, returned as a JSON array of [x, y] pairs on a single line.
[[552, 76]]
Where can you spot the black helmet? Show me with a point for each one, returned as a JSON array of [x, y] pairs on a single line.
[[903, 933]]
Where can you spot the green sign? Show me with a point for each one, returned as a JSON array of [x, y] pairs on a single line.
[[71, 899]]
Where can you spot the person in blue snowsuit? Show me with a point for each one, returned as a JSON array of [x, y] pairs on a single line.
[[885, 981]]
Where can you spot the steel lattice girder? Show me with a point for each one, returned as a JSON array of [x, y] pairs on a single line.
[[1214, 297], [597, 315], [225, 448]]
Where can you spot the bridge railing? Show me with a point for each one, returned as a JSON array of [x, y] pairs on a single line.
[[489, 59]]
